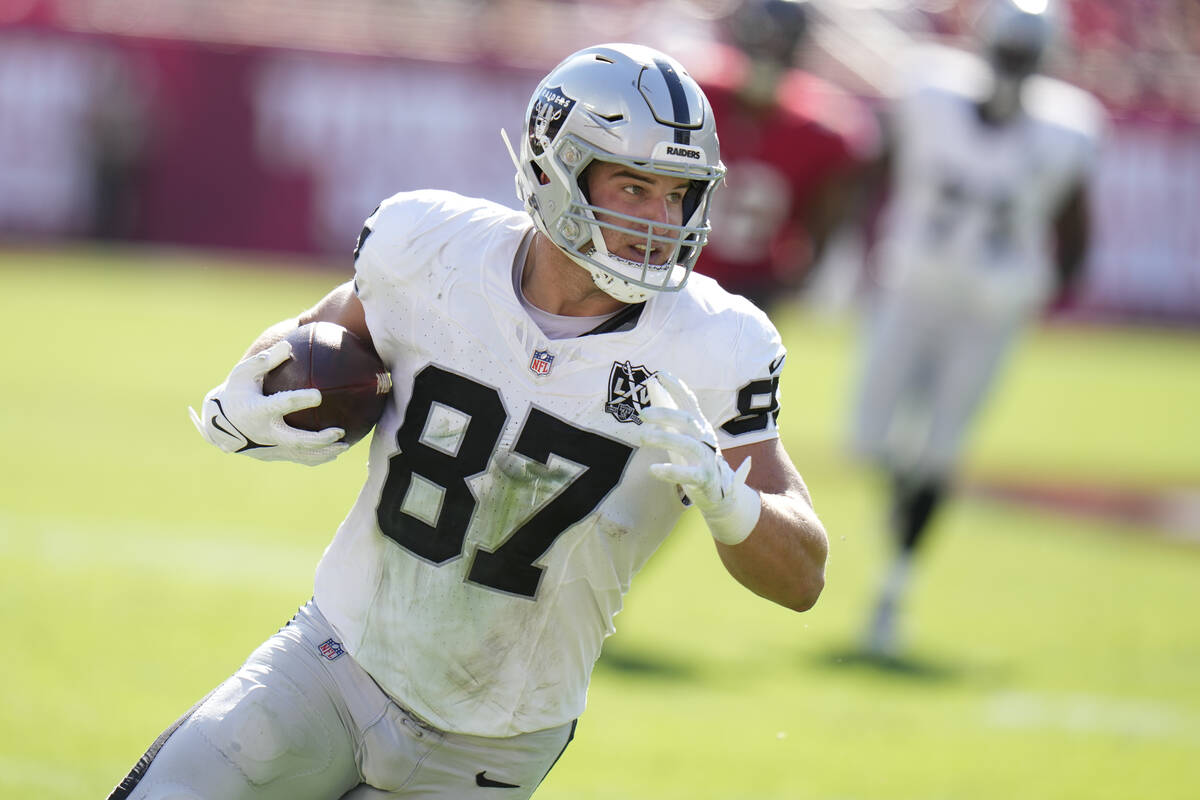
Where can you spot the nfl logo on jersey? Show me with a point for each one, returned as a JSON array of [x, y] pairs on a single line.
[[331, 649], [541, 361]]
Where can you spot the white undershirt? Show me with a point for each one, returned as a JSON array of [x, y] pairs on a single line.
[[555, 326]]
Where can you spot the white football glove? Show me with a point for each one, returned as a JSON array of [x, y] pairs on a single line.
[[675, 423], [238, 418]]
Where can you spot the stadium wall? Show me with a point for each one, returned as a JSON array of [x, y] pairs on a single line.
[[284, 150]]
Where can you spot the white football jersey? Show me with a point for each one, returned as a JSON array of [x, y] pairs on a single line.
[[970, 217], [507, 505]]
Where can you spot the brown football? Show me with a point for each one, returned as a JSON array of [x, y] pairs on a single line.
[[353, 380]]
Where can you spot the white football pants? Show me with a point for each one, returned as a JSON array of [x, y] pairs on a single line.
[[925, 372], [301, 719]]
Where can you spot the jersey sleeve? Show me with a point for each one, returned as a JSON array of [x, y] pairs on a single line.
[[398, 260], [1078, 119], [1093, 125], [380, 270], [398, 239], [744, 408]]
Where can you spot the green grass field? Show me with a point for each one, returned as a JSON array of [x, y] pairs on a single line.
[[1051, 656]]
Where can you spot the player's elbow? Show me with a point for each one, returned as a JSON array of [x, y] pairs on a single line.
[[808, 573], [787, 583], [808, 569], [806, 591]]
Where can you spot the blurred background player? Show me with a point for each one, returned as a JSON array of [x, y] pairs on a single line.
[[794, 144], [986, 222]]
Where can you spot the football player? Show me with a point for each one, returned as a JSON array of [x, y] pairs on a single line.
[[564, 389], [987, 221], [795, 147]]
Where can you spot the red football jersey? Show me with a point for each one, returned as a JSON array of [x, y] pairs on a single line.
[[778, 158]]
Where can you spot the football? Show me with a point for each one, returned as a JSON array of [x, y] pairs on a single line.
[[353, 380]]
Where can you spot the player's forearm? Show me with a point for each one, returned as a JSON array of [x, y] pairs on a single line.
[[783, 559], [1072, 233], [1070, 254], [271, 335], [340, 306]]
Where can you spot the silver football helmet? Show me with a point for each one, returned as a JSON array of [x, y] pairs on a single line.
[[630, 105], [1017, 34]]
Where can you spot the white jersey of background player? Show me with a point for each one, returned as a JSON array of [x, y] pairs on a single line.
[[986, 221], [970, 218], [562, 391]]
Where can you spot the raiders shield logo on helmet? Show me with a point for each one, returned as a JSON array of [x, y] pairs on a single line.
[[549, 112], [627, 393]]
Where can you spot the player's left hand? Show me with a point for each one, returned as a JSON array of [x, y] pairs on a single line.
[[675, 422]]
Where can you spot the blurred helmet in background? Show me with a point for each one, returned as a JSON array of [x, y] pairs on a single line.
[[1016, 35], [629, 105], [769, 33], [769, 30]]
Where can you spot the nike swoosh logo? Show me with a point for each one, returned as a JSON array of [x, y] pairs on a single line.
[[481, 779], [250, 444], [776, 364], [216, 423]]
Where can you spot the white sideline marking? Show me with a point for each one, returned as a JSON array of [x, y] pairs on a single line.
[[1091, 714], [180, 551]]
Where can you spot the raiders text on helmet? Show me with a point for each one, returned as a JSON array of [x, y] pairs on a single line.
[[629, 105]]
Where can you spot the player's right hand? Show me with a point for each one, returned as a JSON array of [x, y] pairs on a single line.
[[675, 423], [238, 418]]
